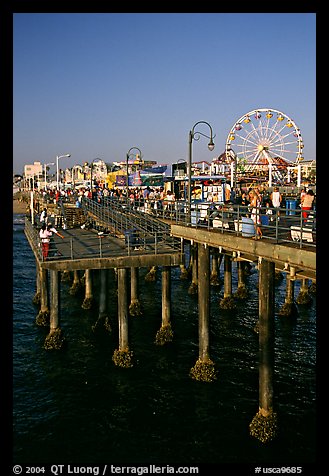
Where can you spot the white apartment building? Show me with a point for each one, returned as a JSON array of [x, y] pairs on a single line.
[[34, 170]]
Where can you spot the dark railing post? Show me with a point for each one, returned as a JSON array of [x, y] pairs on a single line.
[[100, 246], [128, 243]]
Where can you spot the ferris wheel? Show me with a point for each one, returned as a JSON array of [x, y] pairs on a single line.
[[265, 138]]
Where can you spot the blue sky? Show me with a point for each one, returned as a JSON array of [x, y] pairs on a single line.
[[96, 84]]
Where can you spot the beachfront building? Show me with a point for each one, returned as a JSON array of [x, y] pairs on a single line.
[[33, 174]]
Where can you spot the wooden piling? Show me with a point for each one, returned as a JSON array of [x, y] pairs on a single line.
[[214, 274], [193, 289], [54, 339], [304, 296], [37, 297], [103, 294], [289, 307], [42, 318], [76, 284], [264, 423], [165, 333], [204, 369], [227, 302], [135, 305], [151, 275], [241, 292], [122, 356], [103, 318], [88, 300]]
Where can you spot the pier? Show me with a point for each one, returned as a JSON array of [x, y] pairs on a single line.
[[117, 235]]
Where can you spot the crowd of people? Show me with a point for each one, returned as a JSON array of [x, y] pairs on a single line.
[[251, 202], [262, 205]]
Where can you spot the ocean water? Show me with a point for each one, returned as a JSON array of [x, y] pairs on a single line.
[[74, 406]]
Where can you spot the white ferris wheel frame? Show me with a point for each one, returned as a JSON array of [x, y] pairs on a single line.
[[267, 136]]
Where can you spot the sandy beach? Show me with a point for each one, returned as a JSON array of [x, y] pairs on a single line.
[[19, 207]]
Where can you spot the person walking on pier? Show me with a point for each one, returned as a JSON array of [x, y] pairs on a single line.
[[276, 200], [255, 202], [44, 216]]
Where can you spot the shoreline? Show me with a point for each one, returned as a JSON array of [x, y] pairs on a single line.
[[19, 207]]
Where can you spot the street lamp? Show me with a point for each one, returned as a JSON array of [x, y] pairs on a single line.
[[46, 165], [234, 166], [196, 136], [127, 160], [57, 171], [91, 171]]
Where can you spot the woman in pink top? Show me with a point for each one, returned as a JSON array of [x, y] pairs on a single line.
[[307, 203]]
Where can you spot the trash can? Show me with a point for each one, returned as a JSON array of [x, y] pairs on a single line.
[[248, 227], [291, 206], [195, 216], [265, 220]]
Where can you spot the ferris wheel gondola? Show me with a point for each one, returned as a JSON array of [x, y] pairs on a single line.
[[265, 138]]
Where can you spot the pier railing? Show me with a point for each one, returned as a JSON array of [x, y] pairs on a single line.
[[144, 226], [278, 225], [110, 230]]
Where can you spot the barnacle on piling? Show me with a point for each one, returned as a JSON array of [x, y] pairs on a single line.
[[135, 308], [184, 272], [204, 371], [37, 299], [193, 289], [66, 276], [151, 275], [312, 288], [214, 280], [241, 292], [123, 358], [87, 303], [264, 428], [42, 319], [54, 339], [288, 309], [75, 288], [303, 298], [164, 335], [227, 303]]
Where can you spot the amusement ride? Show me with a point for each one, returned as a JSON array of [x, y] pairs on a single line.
[[264, 142]]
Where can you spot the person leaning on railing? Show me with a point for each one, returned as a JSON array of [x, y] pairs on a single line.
[[45, 234], [307, 203], [45, 240]]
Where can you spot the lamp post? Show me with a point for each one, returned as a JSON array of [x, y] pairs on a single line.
[[127, 163], [193, 134], [46, 165], [177, 173], [91, 171], [234, 168], [57, 170]]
